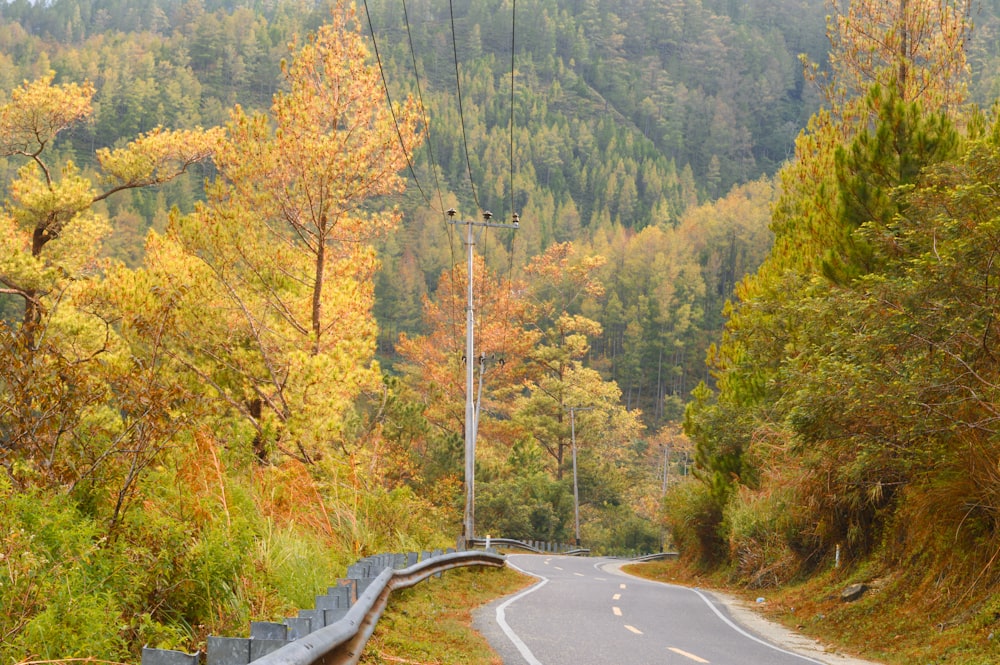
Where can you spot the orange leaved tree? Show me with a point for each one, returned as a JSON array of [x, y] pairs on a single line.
[[273, 274]]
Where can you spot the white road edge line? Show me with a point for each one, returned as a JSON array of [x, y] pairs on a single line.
[[747, 635], [522, 648], [725, 619]]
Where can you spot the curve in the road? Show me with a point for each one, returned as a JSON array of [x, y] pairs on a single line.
[[729, 622], [605, 566], [518, 643]]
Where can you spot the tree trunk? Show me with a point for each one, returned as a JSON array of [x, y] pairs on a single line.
[[317, 301], [256, 409]]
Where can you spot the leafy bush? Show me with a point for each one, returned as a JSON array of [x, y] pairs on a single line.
[[52, 585], [695, 519], [617, 530]]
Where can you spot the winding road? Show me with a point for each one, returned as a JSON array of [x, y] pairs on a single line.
[[587, 612]]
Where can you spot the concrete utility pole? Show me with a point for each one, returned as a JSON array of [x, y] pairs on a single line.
[[666, 468], [576, 489], [470, 362]]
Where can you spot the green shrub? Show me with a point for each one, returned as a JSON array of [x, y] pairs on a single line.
[[529, 508], [298, 565], [695, 519], [52, 584], [617, 530], [76, 623]]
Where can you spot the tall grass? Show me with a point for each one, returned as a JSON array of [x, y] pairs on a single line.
[[211, 541]]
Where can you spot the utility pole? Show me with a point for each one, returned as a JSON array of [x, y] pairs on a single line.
[[468, 523], [666, 468], [576, 489]]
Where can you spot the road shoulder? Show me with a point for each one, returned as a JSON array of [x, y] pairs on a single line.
[[749, 618]]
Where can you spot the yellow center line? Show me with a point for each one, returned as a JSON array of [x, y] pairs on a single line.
[[633, 629], [617, 611], [681, 652]]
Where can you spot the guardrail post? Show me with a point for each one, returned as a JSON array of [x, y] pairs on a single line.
[[228, 650], [168, 657], [268, 630], [343, 595], [352, 589], [362, 573], [329, 614], [298, 627], [334, 604], [316, 618], [260, 648]]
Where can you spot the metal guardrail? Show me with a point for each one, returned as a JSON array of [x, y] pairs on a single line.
[[341, 641], [655, 557], [538, 547]]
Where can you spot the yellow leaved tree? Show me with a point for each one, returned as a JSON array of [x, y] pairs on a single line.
[[68, 408], [272, 277]]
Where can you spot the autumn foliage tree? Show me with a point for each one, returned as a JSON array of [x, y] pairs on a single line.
[[434, 370], [556, 378], [273, 274], [57, 375], [915, 46]]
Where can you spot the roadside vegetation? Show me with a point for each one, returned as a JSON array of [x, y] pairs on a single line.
[[889, 624], [432, 621], [853, 415]]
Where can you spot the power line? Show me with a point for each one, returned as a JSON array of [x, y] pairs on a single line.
[[392, 111], [513, 24], [423, 109], [514, 215], [432, 163], [427, 124], [461, 113], [465, 140]]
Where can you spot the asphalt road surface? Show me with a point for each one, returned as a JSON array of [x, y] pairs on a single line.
[[584, 611]]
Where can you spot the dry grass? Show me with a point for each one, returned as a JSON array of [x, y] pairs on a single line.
[[431, 623], [890, 624]]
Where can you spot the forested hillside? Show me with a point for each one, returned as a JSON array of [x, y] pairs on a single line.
[[195, 202], [624, 117]]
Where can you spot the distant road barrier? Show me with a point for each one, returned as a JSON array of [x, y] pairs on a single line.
[[539, 547], [655, 557], [536, 546], [336, 631]]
